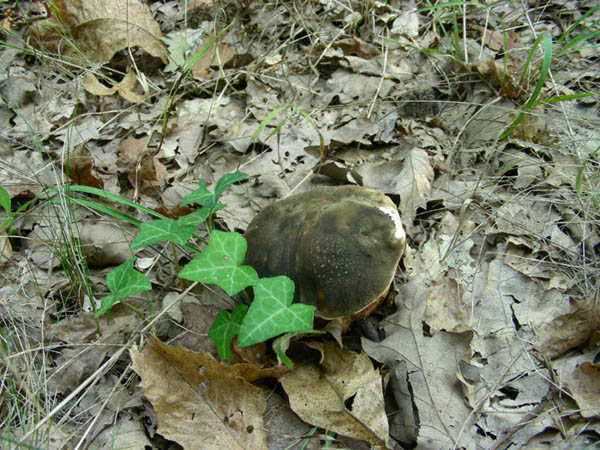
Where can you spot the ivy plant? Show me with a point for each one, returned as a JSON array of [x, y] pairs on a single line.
[[270, 314]]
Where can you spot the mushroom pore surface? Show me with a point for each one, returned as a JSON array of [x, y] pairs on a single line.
[[340, 245]]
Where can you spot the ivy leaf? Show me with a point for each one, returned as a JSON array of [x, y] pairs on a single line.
[[225, 327], [163, 230], [272, 313], [220, 263], [196, 218], [227, 180], [204, 197], [123, 281], [201, 196]]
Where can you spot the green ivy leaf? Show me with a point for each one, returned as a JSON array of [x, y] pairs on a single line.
[[122, 282], [204, 197], [201, 196], [220, 263], [225, 327], [163, 230], [196, 218], [227, 180], [272, 313]]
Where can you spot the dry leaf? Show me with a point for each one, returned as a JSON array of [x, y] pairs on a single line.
[[217, 54], [131, 151], [409, 177], [86, 349], [350, 46], [124, 87], [584, 384], [343, 395], [104, 244], [81, 168], [6, 251], [431, 370], [567, 331], [104, 27], [200, 404]]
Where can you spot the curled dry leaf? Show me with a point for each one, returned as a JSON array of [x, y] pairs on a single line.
[[320, 395], [81, 168], [124, 87], [101, 28]]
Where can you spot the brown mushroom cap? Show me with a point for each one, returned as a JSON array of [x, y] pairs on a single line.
[[340, 245]]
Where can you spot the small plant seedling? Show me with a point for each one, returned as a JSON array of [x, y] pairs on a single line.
[[221, 263], [123, 281], [209, 201]]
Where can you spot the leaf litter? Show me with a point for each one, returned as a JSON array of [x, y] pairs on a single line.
[[493, 342]]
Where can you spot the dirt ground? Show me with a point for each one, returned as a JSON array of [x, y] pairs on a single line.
[[480, 122]]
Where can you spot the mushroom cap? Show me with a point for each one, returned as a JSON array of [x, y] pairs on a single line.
[[340, 246]]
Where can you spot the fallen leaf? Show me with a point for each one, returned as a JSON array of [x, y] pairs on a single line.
[[101, 28], [409, 176], [568, 331], [124, 87], [344, 395], [80, 168], [431, 370], [584, 384], [104, 244], [200, 403], [216, 55], [78, 359]]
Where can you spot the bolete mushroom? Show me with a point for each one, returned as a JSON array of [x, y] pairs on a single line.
[[340, 245]]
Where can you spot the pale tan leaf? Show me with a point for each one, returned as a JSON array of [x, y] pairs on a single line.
[[104, 244], [431, 363], [414, 182], [6, 251], [409, 176], [93, 86], [104, 27], [319, 395], [584, 384]]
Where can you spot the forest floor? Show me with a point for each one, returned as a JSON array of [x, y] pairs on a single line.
[[479, 120]]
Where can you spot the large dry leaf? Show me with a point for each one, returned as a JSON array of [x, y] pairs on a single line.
[[410, 177], [80, 168], [414, 182], [343, 395], [431, 362], [200, 404], [104, 27]]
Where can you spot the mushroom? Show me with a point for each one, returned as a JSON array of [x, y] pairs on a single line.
[[340, 246]]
